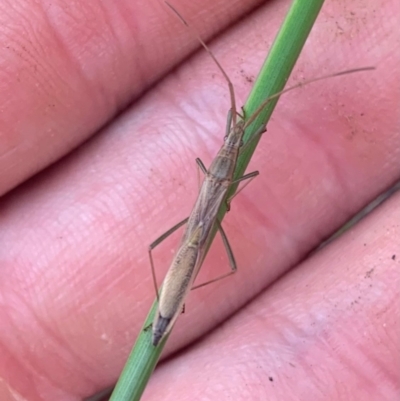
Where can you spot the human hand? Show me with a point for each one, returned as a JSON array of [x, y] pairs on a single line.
[[76, 281]]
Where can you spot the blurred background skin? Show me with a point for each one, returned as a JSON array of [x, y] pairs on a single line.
[[86, 187]]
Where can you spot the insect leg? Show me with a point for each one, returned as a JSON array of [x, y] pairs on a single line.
[[231, 258], [157, 242], [249, 177]]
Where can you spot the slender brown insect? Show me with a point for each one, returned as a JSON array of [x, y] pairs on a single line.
[[203, 218], [190, 255]]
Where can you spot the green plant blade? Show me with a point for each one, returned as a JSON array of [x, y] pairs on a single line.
[[272, 79]]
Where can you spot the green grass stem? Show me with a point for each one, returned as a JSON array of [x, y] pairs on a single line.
[[271, 79]]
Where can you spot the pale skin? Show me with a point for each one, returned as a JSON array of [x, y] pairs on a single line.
[[75, 283]]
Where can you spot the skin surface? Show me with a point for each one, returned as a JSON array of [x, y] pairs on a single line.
[[75, 222]]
